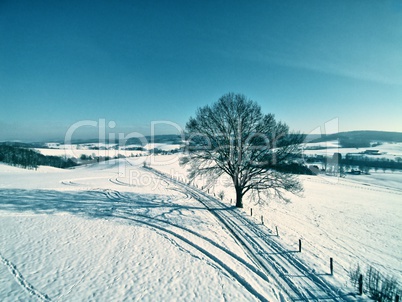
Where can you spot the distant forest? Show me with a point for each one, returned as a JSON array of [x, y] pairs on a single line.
[[31, 159], [362, 163], [158, 139]]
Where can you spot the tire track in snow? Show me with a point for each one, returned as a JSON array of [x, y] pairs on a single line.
[[118, 182], [70, 183], [205, 252], [208, 240], [270, 255], [174, 236], [116, 196], [277, 260], [22, 281]]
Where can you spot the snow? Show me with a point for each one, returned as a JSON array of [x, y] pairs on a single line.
[[387, 150], [81, 259], [102, 149], [163, 147], [354, 220], [351, 222], [115, 231], [84, 234], [76, 153]]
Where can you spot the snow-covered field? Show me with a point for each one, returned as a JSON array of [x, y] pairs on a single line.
[[85, 235], [386, 150], [103, 150], [355, 220], [115, 231]]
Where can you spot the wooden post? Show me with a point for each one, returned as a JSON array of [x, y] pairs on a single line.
[[262, 219], [277, 233], [361, 284], [397, 298], [251, 211], [299, 245], [331, 266]]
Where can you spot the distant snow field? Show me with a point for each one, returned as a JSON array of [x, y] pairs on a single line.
[[115, 231], [110, 150]]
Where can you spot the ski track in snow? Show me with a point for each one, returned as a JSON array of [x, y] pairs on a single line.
[[22, 281], [205, 248], [268, 260], [152, 223], [291, 274]]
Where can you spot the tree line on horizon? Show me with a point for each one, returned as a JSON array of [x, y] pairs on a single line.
[[343, 164], [31, 159]]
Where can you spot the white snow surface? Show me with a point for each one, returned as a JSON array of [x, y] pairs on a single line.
[[354, 220], [386, 150], [114, 231], [94, 234]]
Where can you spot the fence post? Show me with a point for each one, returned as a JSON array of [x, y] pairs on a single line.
[[299, 245], [397, 298], [251, 211], [331, 266], [277, 233], [361, 284], [262, 219]]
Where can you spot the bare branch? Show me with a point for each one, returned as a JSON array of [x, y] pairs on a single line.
[[233, 137]]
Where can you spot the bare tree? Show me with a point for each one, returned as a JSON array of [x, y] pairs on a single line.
[[233, 137]]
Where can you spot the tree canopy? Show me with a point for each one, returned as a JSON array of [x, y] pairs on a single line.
[[234, 137], [31, 159]]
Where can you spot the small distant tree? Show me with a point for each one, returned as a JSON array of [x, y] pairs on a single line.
[[235, 138]]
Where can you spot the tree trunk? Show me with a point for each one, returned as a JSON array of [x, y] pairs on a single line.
[[239, 197]]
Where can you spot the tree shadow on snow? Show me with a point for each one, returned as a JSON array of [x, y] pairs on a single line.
[[93, 204]]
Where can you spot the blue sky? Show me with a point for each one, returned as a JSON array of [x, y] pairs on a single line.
[[134, 62]]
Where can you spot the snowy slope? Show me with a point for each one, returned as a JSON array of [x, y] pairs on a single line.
[[116, 231], [85, 234], [354, 220]]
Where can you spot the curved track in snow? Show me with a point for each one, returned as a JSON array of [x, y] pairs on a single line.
[[290, 273], [271, 261], [187, 239]]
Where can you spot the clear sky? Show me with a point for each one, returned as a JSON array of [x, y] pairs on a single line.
[[133, 62]]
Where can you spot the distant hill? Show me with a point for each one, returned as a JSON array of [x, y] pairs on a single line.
[[22, 145], [369, 136], [158, 139], [351, 136]]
